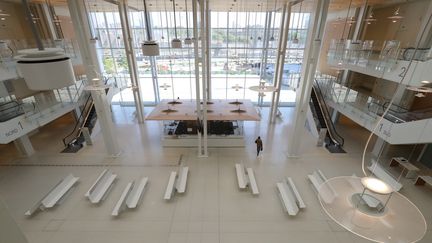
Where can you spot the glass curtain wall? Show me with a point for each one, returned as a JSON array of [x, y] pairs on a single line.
[[237, 45]]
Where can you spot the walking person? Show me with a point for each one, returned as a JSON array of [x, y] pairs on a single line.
[[259, 145]]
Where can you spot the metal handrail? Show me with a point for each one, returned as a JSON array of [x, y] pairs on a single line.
[[86, 111], [332, 130], [89, 99]]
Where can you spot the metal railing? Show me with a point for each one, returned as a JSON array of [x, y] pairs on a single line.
[[334, 136], [372, 106]]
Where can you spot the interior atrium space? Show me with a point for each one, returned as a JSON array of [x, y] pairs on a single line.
[[246, 121]]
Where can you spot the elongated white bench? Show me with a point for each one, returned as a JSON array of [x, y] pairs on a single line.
[[54, 196], [317, 178], [246, 178], [382, 174], [327, 193], [176, 182], [98, 191], [131, 196], [290, 197]]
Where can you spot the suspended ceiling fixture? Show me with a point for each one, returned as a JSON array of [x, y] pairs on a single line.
[[396, 16], [260, 5], [187, 40], [165, 86], [237, 87], [370, 18], [176, 42], [149, 47], [351, 21], [272, 38], [296, 40], [420, 89]]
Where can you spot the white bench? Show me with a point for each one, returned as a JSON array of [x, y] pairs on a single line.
[[98, 191], [54, 196], [421, 180], [246, 178], [290, 196], [382, 174], [176, 182], [317, 178], [130, 197], [327, 193]]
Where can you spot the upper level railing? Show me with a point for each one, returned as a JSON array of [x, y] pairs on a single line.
[[371, 106], [34, 108], [377, 58]]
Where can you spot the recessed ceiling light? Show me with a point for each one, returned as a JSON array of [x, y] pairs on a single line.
[[2, 18], [425, 82]]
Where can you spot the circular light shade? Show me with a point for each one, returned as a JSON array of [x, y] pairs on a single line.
[[187, 41], [401, 221], [176, 43], [263, 88], [376, 185], [150, 48], [420, 89], [45, 69]]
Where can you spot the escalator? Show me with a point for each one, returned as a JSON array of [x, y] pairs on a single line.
[[87, 120], [74, 140], [333, 142]]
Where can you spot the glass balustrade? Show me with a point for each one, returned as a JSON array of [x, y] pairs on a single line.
[[371, 106]]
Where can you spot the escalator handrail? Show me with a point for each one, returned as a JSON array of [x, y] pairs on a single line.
[[87, 113], [332, 130], [89, 99]]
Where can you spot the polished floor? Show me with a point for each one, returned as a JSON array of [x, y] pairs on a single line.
[[212, 209]]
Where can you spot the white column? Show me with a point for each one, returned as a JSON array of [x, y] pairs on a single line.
[[24, 146], [87, 49], [51, 28], [280, 61], [204, 57], [103, 112], [197, 74], [310, 60], [131, 59], [83, 36]]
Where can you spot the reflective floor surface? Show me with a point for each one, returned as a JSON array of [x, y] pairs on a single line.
[[211, 210]]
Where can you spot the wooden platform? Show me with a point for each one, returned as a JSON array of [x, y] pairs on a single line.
[[219, 110]]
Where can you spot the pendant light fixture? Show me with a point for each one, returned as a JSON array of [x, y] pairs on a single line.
[[295, 39], [259, 37], [187, 40], [370, 18], [149, 47], [160, 18], [176, 42], [396, 16], [272, 38]]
